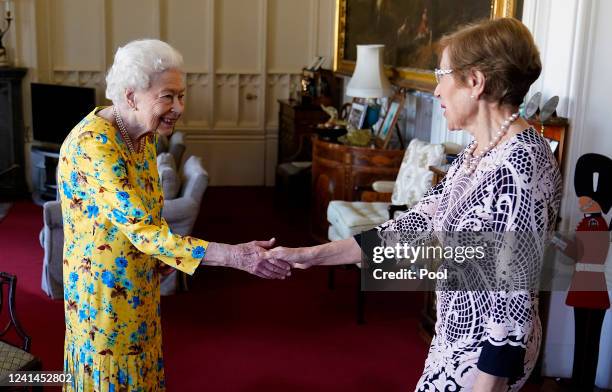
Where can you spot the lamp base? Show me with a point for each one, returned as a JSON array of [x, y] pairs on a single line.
[[372, 115]]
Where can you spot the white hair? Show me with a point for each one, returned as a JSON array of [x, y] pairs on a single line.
[[135, 64]]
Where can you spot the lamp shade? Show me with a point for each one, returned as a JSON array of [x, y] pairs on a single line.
[[369, 79]]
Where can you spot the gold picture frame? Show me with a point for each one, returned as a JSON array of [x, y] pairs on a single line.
[[409, 77]]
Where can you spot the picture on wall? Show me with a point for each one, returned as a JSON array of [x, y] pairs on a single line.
[[410, 31]]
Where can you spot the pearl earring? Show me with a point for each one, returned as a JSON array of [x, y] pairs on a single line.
[[471, 96]]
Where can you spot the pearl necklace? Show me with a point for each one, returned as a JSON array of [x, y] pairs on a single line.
[[125, 134], [470, 161]]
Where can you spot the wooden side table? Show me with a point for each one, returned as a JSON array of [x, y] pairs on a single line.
[[340, 172]]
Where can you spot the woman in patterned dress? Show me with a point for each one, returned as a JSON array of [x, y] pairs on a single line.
[[116, 242], [506, 183]]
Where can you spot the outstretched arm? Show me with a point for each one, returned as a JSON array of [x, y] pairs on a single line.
[[249, 257], [106, 190], [348, 251], [333, 253]]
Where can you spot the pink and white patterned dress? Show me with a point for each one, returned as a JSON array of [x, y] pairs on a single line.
[[516, 188]]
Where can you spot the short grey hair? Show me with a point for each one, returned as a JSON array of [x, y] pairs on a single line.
[[136, 62]]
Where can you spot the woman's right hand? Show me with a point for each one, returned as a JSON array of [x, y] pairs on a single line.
[[249, 257], [301, 258], [345, 251]]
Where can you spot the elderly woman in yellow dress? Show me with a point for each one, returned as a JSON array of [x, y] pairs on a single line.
[[115, 237]]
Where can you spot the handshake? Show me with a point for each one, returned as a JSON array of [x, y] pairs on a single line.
[[259, 258]]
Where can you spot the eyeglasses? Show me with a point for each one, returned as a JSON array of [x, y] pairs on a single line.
[[438, 73]]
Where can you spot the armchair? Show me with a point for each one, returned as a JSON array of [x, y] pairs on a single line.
[[175, 145], [413, 180], [180, 213]]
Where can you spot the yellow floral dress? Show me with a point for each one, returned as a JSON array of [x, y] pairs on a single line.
[[114, 238]]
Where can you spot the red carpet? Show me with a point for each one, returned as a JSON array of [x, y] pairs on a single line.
[[234, 332]]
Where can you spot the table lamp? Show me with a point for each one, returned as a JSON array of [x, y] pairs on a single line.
[[369, 80]]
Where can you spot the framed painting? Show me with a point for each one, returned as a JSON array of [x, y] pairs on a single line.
[[410, 31]]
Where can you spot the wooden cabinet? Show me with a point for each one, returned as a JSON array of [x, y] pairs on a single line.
[[12, 159], [340, 172], [295, 128]]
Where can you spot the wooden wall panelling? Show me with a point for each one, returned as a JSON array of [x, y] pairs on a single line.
[[42, 44], [70, 21], [325, 31], [197, 101], [132, 19], [248, 104], [262, 80], [237, 36], [185, 24], [226, 101], [240, 57], [278, 88], [210, 47], [289, 43]]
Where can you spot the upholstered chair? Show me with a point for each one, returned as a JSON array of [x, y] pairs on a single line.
[[348, 218], [175, 146], [13, 357]]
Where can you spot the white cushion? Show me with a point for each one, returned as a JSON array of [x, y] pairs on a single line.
[[194, 164], [383, 186], [170, 180], [333, 234], [414, 177], [357, 216], [164, 159], [177, 138]]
